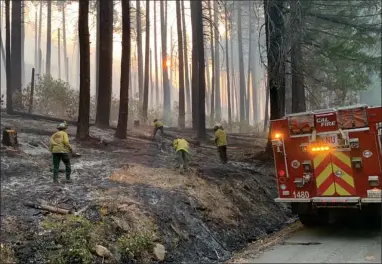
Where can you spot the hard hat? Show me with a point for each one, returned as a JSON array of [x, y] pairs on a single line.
[[62, 125]]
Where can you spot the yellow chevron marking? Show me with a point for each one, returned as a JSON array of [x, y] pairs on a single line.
[[318, 159], [330, 191], [343, 157], [344, 176], [327, 172], [341, 191]]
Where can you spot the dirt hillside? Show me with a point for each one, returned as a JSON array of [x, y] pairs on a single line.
[[131, 201]]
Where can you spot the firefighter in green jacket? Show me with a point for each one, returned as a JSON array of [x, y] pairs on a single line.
[[60, 149], [181, 147], [221, 142], [158, 125]]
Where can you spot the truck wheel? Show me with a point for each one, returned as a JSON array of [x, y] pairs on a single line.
[[308, 220]]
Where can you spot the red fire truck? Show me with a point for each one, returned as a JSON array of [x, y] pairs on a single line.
[[329, 160]]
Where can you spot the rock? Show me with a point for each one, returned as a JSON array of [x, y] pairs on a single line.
[[102, 251], [159, 251], [122, 224]]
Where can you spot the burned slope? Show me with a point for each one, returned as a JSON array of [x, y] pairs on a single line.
[[199, 217]]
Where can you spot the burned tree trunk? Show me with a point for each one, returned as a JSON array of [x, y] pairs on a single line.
[[227, 65], [241, 64], [84, 104], [48, 37], [217, 64], [8, 69], [185, 66], [105, 74], [212, 114], [197, 30], [125, 72], [274, 25], [140, 55], [298, 91], [182, 114], [147, 64]]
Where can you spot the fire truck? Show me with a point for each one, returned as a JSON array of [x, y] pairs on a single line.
[[329, 160]]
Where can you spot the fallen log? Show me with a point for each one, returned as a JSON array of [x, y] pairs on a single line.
[[47, 207]]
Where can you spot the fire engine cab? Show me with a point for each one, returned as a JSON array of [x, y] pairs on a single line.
[[329, 160]]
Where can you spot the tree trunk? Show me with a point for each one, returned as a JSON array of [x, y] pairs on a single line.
[[59, 54], [274, 25], [212, 114], [125, 71], [64, 40], [30, 110], [185, 56], [98, 25], [105, 74], [298, 91], [48, 37], [217, 63], [84, 44], [151, 86], [247, 106], [182, 114], [227, 65], [140, 55], [208, 92], [22, 44], [8, 69], [156, 89], [147, 64], [194, 71], [35, 39], [166, 88], [16, 48], [266, 110], [197, 25], [241, 64], [39, 66]]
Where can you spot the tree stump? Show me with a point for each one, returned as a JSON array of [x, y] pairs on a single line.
[[9, 137]]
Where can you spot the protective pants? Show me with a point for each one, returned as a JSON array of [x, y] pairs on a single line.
[[156, 130], [223, 153], [57, 157], [181, 159]]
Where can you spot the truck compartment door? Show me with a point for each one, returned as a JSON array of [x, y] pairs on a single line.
[[343, 173], [323, 173], [334, 174]]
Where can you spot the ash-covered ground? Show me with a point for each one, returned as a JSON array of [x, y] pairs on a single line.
[[202, 216]]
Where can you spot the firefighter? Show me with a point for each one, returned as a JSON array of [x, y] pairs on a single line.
[[181, 147], [60, 149], [221, 142], [158, 125]]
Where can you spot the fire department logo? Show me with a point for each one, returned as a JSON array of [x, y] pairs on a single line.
[[295, 164], [367, 153]]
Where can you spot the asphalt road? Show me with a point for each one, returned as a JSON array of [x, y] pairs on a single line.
[[324, 245]]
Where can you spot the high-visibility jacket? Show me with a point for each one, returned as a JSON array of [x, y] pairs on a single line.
[[158, 124], [220, 138], [180, 144], [59, 143]]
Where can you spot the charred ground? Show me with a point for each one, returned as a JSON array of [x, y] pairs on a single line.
[[129, 184]]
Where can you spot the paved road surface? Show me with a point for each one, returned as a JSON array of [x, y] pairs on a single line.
[[325, 245]]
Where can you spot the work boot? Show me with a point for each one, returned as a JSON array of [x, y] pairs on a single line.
[[68, 181]]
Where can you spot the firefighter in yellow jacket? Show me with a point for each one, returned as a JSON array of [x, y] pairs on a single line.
[[158, 125], [221, 142], [60, 149], [181, 147]]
